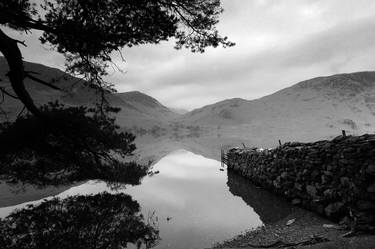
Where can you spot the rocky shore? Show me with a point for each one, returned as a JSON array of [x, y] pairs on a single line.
[[334, 179], [303, 230]]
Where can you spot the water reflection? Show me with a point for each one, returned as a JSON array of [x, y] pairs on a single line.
[[12, 194], [191, 190], [81, 222], [269, 207], [196, 203]]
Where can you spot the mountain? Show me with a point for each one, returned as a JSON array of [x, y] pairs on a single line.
[[137, 109], [311, 109], [179, 110], [142, 110]]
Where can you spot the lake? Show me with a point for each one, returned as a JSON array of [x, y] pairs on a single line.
[[194, 201]]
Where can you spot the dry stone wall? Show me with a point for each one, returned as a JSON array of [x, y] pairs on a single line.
[[334, 178]]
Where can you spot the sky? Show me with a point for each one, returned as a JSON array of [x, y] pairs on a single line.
[[278, 44]]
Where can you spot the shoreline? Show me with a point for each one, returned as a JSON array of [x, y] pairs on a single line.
[[330, 183], [307, 230]]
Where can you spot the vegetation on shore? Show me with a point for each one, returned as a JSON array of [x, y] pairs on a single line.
[[76, 144]]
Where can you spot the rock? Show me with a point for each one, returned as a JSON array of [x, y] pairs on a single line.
[[323, 179], [365, 205], [328, 177], [371, 188], [328, 193], [290, 222], [328, 173], [333, 209], [284, 175], [371, 169], [331, 226], [296, 201], [345, 222], [298, 186], [311, 190], [344, 181]]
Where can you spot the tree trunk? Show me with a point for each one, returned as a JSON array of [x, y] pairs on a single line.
[[9, 48]]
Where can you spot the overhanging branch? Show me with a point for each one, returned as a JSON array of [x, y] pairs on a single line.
[[11, 52], [43, 82]]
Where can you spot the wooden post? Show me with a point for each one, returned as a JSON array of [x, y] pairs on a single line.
[[343, 133]]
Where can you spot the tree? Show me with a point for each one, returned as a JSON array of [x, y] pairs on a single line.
[[86, 32], [80, 145]]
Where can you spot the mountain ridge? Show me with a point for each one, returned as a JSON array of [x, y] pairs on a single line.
[[136, 107], [315, 108], [319, 106]]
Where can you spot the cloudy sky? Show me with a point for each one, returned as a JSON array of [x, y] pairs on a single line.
[[279, 43]]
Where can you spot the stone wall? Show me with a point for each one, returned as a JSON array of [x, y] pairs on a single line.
[[334, 178]]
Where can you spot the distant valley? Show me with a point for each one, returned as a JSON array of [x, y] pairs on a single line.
[[313, 109]]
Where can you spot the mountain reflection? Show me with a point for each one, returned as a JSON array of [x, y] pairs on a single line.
[[269, 207], [94, 221], [192, 195]]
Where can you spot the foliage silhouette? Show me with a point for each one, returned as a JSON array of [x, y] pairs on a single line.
[[77, 144], [102, 221]]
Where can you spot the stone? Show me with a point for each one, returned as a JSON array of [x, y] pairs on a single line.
[[371, 188], [371, 169], [311, 190], [284, 175], [333, 209], [298, 186], [365, 205], [331, 226], [328, 193], [296, 201], [344, 181], [290, 222], [326, 177], [328, 173]]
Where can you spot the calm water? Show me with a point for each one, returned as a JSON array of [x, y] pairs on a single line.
[[195, 203]]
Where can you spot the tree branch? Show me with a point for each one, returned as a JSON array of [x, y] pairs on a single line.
[[10, 50], [2, 89], [42, 82]]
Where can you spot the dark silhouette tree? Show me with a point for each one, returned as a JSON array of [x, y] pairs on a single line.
[[102, 221], [80, 145], [86, 32]]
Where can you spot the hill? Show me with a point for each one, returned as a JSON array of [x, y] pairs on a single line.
[[311, 109], [137, 109]]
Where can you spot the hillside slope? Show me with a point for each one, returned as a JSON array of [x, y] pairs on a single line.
[[312, 109], [149, 111], [137, 109], [317, 108]]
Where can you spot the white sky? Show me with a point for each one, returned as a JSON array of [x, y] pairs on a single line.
[[279, 43]]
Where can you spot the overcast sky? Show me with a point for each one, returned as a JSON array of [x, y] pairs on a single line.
[[278, 43]]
